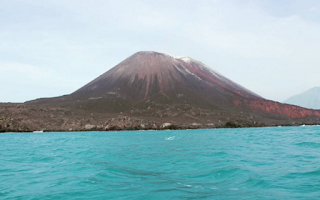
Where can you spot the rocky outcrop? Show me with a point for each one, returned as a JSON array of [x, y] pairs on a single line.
[[165, 125]]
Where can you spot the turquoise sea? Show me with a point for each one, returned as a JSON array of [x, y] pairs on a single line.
[[250, 163]]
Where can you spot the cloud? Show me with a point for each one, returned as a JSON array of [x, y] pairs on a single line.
[[315, 9]]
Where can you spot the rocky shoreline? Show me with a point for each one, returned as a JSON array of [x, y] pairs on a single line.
[[144, 129], [127, 125], [28, 118], [120, 124]]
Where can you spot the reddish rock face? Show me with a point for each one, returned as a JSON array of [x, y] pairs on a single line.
[[291, 111]]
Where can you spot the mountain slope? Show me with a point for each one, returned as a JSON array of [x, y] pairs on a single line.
[[145, 75], [308, 99]]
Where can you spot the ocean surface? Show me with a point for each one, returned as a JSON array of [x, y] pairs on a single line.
[[250, 163]]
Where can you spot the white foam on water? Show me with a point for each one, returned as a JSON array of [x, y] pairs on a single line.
[[185, 185], [37, 131], [234, 189], [214, 188], [171, 138]]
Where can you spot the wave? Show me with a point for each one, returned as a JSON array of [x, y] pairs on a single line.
[[309, 144], [308, 173], [255, 182]]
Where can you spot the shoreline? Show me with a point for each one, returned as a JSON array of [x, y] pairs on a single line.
[[164, 129]]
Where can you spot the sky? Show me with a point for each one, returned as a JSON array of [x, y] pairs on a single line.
[[53, 47]]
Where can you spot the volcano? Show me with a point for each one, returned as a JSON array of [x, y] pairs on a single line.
[[155, 86], [161, 78]]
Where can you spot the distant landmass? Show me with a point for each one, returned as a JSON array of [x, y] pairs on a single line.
[[308, 99], [151, 90]]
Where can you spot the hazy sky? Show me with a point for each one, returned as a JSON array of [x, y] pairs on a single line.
[[53, 47]]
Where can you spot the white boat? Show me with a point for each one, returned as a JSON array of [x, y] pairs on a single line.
[[37, 131]]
